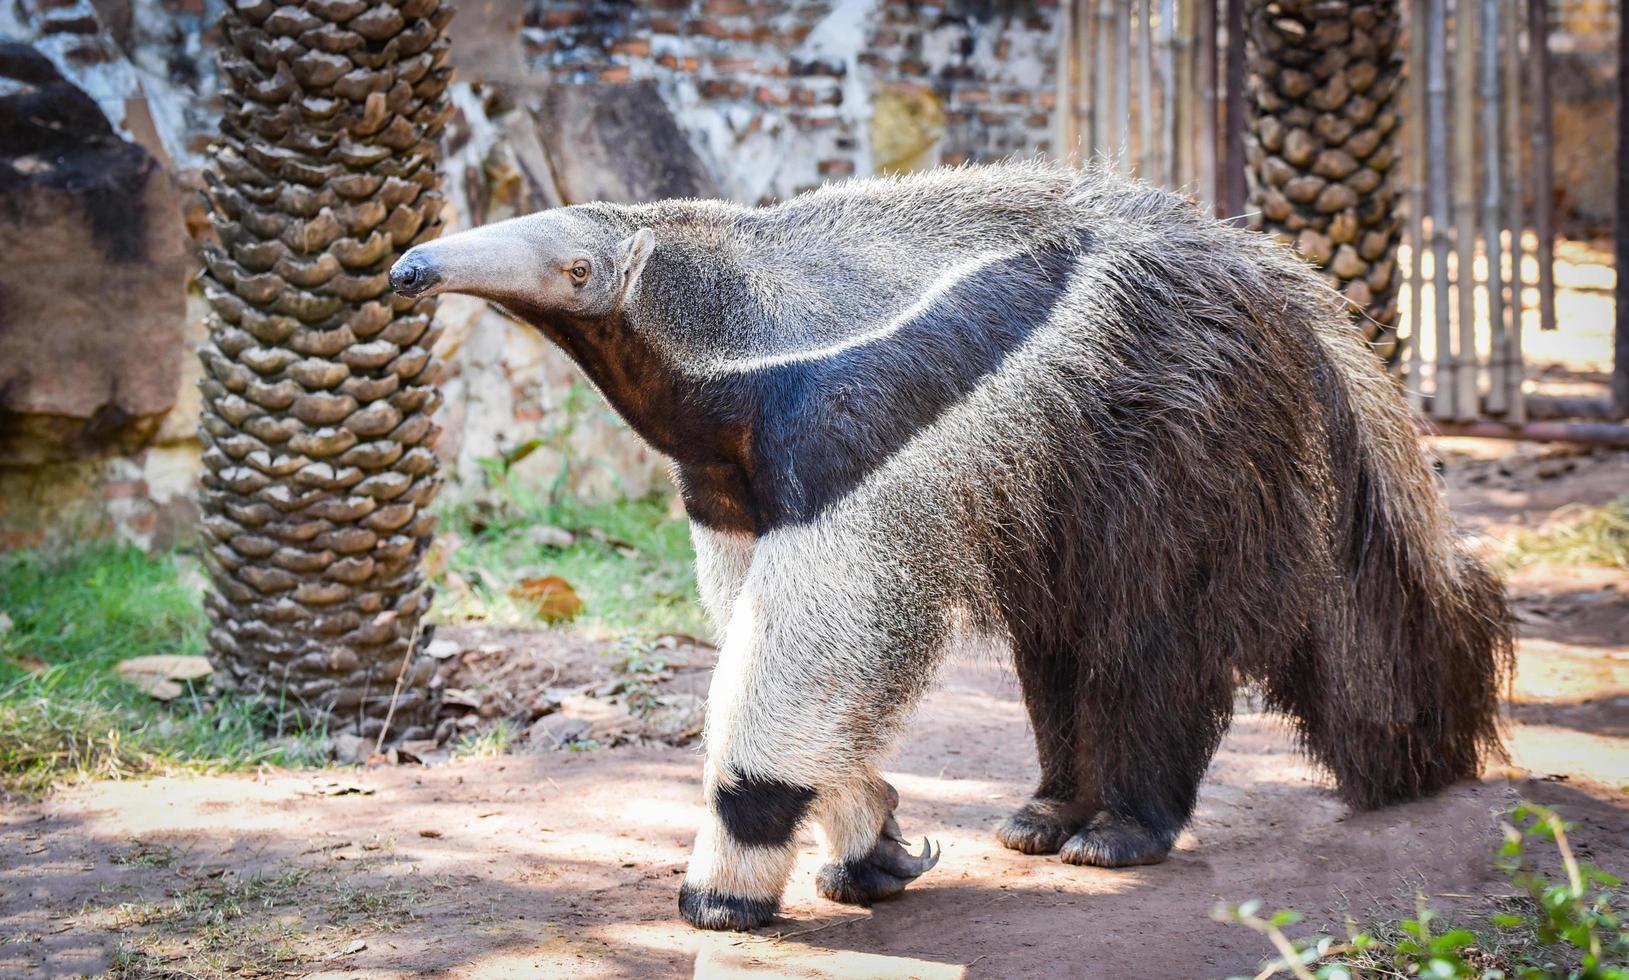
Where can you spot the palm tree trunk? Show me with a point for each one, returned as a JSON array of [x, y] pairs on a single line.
[[319, 386], [1321, 146]]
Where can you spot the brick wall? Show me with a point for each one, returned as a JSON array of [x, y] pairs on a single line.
[[776, 95]]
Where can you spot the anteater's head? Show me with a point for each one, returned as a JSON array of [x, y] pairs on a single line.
[[578, 263]]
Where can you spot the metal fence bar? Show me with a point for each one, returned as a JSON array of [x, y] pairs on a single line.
[[1538, 61], [1235, 193], [1122, 85], [1085, 110], [1102, 85], [1187, 94], [1414, 220], [1206, 28], [1148, 144], [1465, 384], [1516, 370], [1620, 233], [1488, 82], [1436, 133]]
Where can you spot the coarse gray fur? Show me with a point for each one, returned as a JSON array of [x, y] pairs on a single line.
[[1141, 449]]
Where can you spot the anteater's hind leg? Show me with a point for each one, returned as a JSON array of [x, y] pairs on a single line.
[[1062, 803], [1148, 725]]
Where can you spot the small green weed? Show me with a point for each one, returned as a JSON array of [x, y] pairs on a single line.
[[1571, 927], [488, 741], [641, 665]]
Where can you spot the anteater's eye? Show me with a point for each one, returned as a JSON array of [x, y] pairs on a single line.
[[580, 271]]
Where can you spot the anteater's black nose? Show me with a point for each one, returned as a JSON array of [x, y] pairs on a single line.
[[412, 275]]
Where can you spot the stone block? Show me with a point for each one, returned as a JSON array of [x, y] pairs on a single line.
[[93, 287]]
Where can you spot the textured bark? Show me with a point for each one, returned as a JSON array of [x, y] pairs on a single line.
[[1321, 147], [319, 384]]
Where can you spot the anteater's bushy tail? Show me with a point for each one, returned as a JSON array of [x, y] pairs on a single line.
[[1396, 690]]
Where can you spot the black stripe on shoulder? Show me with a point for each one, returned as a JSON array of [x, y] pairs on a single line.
[[822, 426]]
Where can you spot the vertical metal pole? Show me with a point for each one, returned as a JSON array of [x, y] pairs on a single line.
[[1414, 136], [1498, 401], [1067, 123], [1103, 84], [1465, 387], [1620, 230], [1516, 374], [1148, 145], [1085, 111], [1122, 82], [1436, 93], [1209, 193], [1186, 95], [1538, 60], [1235, 193], [1168, 94]]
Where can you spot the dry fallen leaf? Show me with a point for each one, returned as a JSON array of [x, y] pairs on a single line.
[[157, 675], [552, 595], [173, 666], [161, 688], [30, 663]]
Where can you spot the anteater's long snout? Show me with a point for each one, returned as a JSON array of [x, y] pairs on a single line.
[[416, 273]]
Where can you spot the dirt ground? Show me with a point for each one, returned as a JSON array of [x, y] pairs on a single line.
[[564, 857]]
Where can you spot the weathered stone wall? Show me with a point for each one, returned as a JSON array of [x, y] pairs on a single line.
[[778, 95]]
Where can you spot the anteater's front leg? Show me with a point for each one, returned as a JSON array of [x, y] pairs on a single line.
[[869, 858], [810, 689]]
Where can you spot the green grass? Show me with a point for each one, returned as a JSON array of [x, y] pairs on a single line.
[[1584, 536], [631, 563], [65, 713]]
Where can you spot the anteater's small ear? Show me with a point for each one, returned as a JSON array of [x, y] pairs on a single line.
[[631, 256]]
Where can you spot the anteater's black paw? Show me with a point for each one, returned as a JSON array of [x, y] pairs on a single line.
[[1115, 842], [881, 874], [1037, 827], [707, 909]]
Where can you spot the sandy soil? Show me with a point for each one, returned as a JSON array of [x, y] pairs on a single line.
[[566, 862]]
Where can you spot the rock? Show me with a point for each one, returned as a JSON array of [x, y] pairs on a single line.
[[618, 142], [345, 747], [441, 649], [541, 705], [93, 320], [556, 731]]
